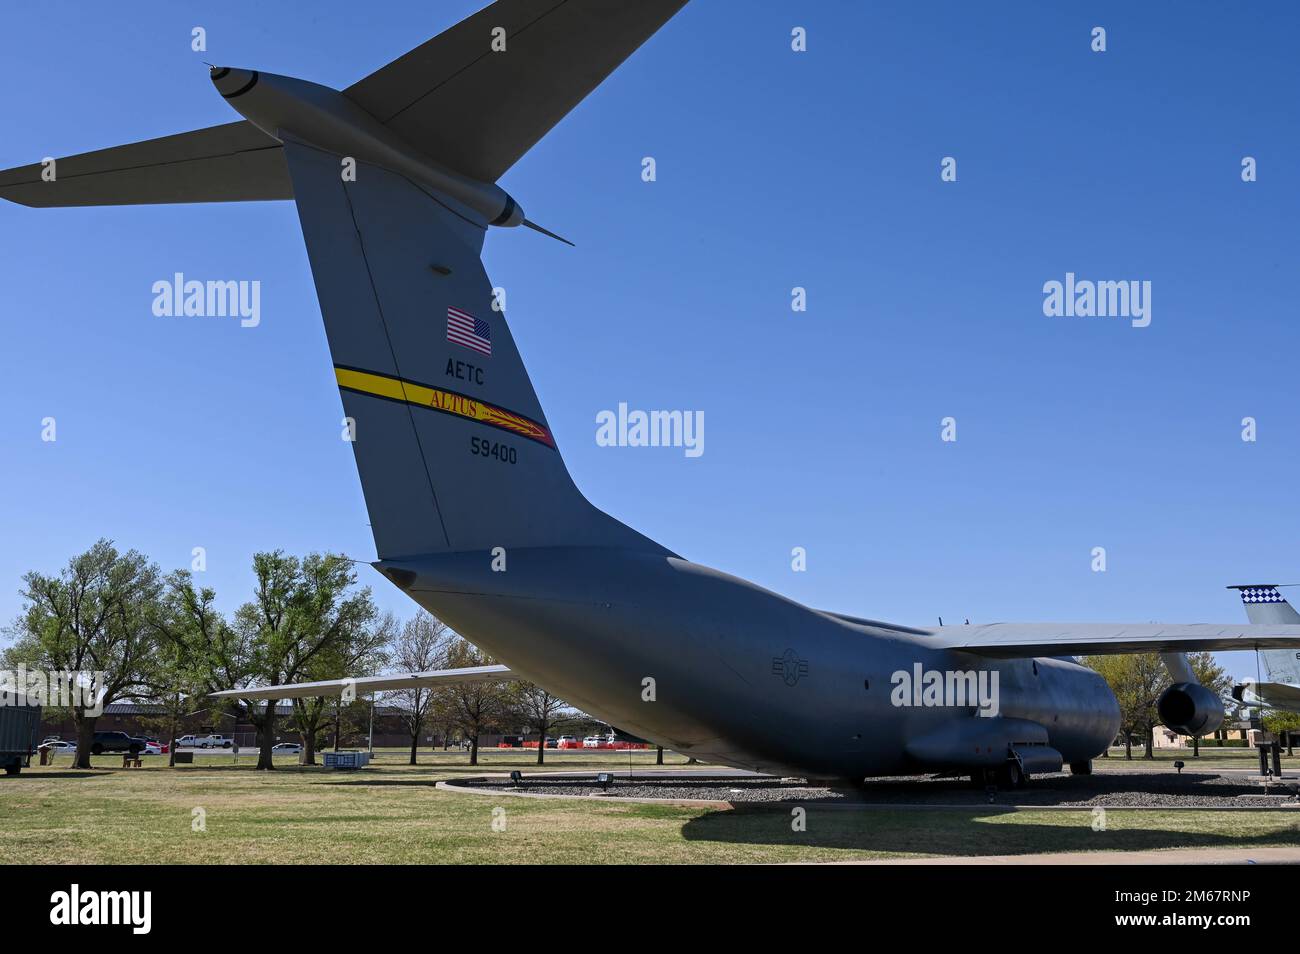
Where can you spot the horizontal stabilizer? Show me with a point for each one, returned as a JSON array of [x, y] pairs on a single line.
[[236, 162], [364, 685], [479, 95]]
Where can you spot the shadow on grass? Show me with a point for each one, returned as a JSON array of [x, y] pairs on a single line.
[[955, 833], [1164, 787]]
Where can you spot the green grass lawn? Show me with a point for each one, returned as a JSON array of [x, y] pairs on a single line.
[[391, 812]]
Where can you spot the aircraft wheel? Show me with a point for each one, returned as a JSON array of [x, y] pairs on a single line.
[[1081, 768], [13, 768], [1010, 775]]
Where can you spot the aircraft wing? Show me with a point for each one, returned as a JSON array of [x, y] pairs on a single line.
[[1018, 640], [236, 162], [476, 100], [363, 685]]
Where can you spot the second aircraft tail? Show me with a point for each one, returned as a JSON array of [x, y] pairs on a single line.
[[1265, 604]]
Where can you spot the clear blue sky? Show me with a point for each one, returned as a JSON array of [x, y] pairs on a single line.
[[775, 169]]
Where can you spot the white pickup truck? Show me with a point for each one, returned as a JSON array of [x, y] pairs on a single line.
[[204, 742]]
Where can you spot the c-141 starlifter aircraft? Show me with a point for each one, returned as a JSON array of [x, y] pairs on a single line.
[[615, 623]]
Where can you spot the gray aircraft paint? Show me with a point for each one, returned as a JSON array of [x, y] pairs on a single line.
[[456, 470], [592, 624], [1279, 687]]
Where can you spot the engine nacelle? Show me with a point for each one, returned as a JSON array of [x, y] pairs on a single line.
[[1190, 709]]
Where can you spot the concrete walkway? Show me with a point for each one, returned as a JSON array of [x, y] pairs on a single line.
[[1172, 856]]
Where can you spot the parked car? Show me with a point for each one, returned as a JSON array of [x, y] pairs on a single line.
[[149, 746], [287, 748], [593, 742], [203, 742], [115, 742], [58, 746], [550, 742], [566, 742]]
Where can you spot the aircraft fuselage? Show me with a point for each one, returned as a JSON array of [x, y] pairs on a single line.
[[726, 671]]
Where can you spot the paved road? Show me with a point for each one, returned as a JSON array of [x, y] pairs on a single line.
[[1171, 856]]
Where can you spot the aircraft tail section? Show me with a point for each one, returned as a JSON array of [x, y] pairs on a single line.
[[453, 448], [1265, 604], [394, 184]]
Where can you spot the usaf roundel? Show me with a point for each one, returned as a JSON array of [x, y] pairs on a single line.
[[789, 667]]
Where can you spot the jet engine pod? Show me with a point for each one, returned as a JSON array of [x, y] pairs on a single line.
[[1190, 709]]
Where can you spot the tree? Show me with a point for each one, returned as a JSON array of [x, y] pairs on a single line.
[[474, 706], [351, 722], [359, 651], [93, 617], [1136, 679], [539, 708], [301, 610], [422, 644], [186, 625], [1285, 725]]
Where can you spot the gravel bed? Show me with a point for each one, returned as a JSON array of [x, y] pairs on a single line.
[[1204, 789]]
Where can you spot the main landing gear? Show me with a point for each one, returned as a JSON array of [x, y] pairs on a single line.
[[1009, 775]]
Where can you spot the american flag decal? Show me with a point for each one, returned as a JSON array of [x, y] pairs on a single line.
[[469, 332]]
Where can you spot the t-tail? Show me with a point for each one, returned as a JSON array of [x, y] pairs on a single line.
[[395, 180], [1265, 604]]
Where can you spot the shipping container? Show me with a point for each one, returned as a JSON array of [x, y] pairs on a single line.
[[19, 725]]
